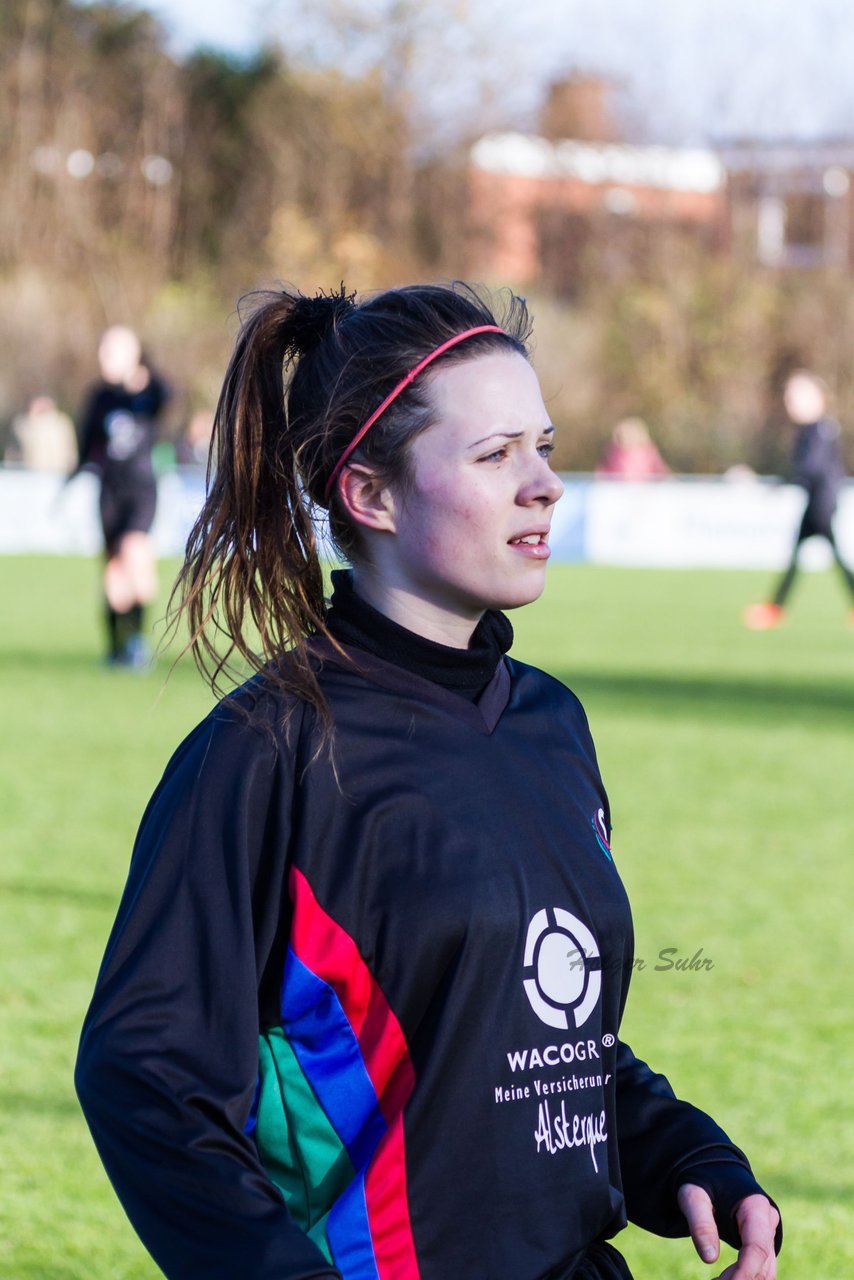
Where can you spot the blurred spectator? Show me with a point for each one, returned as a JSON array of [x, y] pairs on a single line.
[[43, 438], [193, 447], [739, 473], [118, 436], [818, 468], [632, 455]]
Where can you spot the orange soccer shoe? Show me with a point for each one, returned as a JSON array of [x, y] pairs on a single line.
[[762, 617]]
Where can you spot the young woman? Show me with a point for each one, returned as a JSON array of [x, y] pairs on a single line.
[[359, 1014], [118, 432]]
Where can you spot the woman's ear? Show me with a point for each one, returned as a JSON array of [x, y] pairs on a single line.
[[366, 498]]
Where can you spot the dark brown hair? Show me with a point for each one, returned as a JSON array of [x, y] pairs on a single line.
[[304, 375]]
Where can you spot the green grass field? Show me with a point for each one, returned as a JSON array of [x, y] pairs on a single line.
[[728, 757]]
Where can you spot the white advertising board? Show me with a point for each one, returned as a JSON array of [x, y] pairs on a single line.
[[678, 523]]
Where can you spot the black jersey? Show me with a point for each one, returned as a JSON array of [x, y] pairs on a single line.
[[360, 1017], [818, 467], [118, 432]]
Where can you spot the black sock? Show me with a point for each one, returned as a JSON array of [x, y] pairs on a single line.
[[121, 629], [112, 620], [134, 617]]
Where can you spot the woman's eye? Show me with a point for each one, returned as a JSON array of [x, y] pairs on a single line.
[[495, 456], [545, 448]]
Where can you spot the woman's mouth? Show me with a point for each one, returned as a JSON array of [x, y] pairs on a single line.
[[533, 545]]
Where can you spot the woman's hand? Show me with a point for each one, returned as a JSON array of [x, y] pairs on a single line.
[[757, 1224]]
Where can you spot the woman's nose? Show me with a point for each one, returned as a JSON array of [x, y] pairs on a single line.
[[544, 485]]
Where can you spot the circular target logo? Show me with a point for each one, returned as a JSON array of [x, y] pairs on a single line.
[[563, 968]]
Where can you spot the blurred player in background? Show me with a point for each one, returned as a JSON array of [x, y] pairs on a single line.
[[117, 434], [818, 468]]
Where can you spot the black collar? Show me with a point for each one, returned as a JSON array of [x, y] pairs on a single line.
[[353, 622]]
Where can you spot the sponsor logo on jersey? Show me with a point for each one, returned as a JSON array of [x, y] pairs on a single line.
[[124, 435], [563, 968]]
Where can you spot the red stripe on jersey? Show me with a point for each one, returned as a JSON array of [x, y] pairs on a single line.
[[394, 1248]]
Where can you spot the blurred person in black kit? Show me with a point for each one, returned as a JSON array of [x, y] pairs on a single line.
[[118, 430], [818, 468], [358, 1016]]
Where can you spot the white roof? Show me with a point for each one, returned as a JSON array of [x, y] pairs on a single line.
[[669, 168]]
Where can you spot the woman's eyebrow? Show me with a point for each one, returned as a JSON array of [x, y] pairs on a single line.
[[509, 435]]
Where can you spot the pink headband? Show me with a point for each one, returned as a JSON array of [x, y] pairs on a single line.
[[401, 386]]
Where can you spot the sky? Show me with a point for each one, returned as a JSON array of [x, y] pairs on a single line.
[[692, 70], [221, 24]]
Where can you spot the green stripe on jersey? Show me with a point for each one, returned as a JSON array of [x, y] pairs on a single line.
[[299, 1148]]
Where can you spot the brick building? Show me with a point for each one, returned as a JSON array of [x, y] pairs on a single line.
[[536, 205], [539, 203], [790, 204]]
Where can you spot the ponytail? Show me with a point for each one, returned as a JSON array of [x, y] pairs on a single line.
[[251, 586]]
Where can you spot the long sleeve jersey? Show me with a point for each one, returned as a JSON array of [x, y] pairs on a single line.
[[359, 1014]]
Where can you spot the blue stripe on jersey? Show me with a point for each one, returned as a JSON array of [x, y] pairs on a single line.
[[328, 1053], [349, 1234]]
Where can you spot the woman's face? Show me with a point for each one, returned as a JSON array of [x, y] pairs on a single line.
[[118, 354], [804, 400], [471, 527]]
